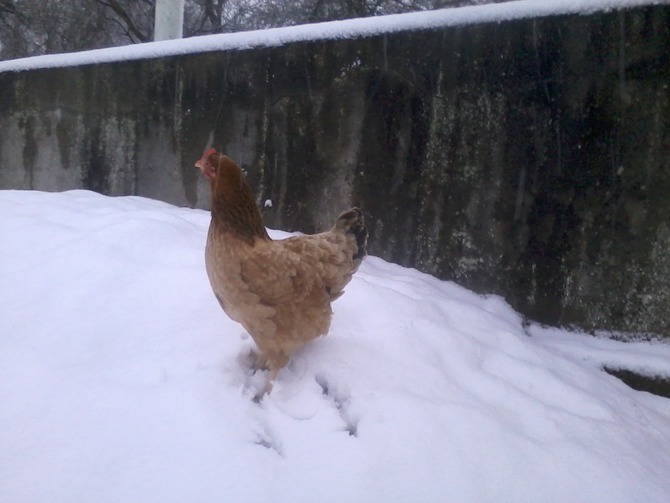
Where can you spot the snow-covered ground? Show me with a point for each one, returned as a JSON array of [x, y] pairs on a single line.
[[121, 380], [346, 29]]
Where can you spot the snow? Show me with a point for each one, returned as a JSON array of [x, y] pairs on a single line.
[[351, 28], [121, 379]]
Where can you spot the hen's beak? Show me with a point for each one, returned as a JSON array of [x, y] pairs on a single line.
[[198, 164]]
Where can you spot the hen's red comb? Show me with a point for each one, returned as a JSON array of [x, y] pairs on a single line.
[[208, 152]]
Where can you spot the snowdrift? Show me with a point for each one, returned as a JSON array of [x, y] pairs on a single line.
[[122, 380]]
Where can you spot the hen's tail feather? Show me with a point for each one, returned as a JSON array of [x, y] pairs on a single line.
[[352, 222]]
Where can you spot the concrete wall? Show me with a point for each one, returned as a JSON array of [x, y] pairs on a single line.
[[527, 158]]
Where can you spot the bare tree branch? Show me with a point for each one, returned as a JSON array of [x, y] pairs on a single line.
[[213, 12], [7, 8], [133, 32]]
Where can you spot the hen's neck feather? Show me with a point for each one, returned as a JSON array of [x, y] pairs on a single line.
[[234, 209]]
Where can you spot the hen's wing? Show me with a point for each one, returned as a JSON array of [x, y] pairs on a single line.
[[291, 270]]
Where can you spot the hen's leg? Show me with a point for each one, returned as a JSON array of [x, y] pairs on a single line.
[[275, 362], [257, 361]]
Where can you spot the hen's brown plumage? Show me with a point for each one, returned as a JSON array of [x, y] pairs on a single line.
[[279, 291]]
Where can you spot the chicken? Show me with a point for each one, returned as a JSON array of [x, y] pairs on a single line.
[[279, 291]]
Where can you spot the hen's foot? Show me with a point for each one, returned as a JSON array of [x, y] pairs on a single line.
[[264, 391]]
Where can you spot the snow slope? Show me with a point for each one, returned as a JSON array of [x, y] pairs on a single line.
[[350, 28], [121, 380]]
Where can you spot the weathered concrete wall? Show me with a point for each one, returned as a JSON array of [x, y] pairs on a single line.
[[527, 158]]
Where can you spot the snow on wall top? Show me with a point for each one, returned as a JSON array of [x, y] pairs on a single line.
[[351, 28]]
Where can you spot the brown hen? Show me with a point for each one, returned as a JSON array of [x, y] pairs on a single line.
[[279, 291]]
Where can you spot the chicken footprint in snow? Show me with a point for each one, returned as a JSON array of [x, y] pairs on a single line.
[[342, 402]]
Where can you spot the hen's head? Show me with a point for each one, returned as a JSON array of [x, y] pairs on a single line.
[[234, 207], [209, 163]]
